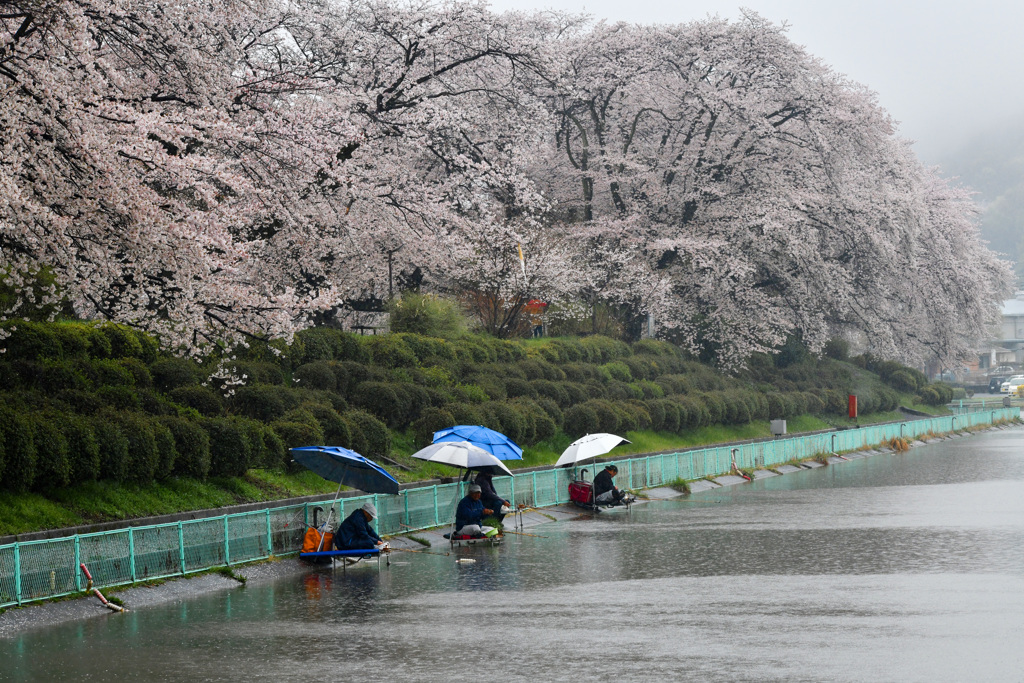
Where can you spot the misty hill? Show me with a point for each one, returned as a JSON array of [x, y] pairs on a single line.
[[993, 165]]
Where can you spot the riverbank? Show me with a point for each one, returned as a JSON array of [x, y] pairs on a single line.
[[41, 615]]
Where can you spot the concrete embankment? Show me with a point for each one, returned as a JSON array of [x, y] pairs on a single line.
[[40, 615]]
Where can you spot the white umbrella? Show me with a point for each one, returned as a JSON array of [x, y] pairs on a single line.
[[463, 454], [587, 447]]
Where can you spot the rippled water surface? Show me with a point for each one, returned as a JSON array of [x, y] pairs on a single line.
[[892, 568]]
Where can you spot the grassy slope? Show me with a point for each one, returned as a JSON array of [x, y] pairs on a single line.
[[101, 501]]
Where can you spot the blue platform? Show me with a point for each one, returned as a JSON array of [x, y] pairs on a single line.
[[342, 554]]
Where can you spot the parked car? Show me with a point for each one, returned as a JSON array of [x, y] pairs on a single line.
[[1010, 385], [995, 382], [1001, 370]]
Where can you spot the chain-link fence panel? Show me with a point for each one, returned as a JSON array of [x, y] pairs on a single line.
[[9, 581], [287, 528], [247, 537], [203, 541], [108, 556], [48, 568], [158, 551]]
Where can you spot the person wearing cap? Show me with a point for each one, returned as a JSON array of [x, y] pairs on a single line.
[[489, 496], [470, 512], [605, 492], [355, 533]]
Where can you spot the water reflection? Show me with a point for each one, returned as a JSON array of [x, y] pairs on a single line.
[[904, 567]]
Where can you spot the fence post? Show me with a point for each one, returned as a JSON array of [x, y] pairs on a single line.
[[78, 561], [131, 552], [513, 493], [406, 497], [270, 536], [227, 542], [181, 547], [535, 488], [437, 514], [17, 572]]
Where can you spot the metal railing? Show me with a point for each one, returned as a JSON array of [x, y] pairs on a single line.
[[37, 570]]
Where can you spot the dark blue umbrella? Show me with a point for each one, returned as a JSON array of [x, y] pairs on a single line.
[[346, 467], [495, 443]]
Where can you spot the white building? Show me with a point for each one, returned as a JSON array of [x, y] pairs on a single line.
[[1008, 349]]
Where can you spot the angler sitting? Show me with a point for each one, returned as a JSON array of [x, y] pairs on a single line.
[[355, 533], [490, 498], [605, 492], [469, 514]]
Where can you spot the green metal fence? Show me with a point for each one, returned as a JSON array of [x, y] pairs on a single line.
[[36, 570]]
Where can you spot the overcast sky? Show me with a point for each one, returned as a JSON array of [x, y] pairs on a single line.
[[945, 70]]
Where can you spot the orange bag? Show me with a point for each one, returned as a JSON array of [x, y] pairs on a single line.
[[311, 541]]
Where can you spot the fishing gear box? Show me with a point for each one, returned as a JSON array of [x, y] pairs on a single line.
[[581, 492]]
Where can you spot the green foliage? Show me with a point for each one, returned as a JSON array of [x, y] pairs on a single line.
[[143, 457], [376, 434], [53, 466], [113, 448], [428, 315], [83, 448], [231, 449], [262, 402], [191, 445], [201, 399], [432, 420], [171, 373], [581, 420], [166, 451], [19, 459], [837, 349], [316, 375]]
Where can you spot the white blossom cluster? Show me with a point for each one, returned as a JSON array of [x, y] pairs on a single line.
[[213, 172]]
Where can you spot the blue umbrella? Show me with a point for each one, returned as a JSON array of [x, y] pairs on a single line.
[[495, 443], [346, 467], [335, 463]]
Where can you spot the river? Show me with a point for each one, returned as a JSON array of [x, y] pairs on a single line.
[[906, 567]]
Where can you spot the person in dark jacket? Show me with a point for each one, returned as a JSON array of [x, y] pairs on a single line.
[[489, 496], [605, 492], [355, 533], [470, 512]]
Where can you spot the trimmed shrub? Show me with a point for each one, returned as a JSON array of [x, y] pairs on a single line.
[[671, 421], [230, 447], [317, 375], [464, 414], [389, 351], [140, 376], [495, 388], [520, 387], [30, 340], [262, 402], [119, 398], [53, 466], [124, 341], [837, 349], [580, 420], [275, 455], [265, 373], [113, 448], [552, 410], [171, 373], [165, 449], [336, 430], [381, 400], [469, 393], [192, 446], [356, 372], [112, 373], [432, 420], [83, 449], [375, 432], [581, 393], [607, 416], [656, 409], [18, 462], [142, 455], [156, 404], [510, 422], [202, 399], [58, 375]]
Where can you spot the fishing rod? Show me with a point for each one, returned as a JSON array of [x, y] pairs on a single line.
[[520, 533], [424, 552]]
